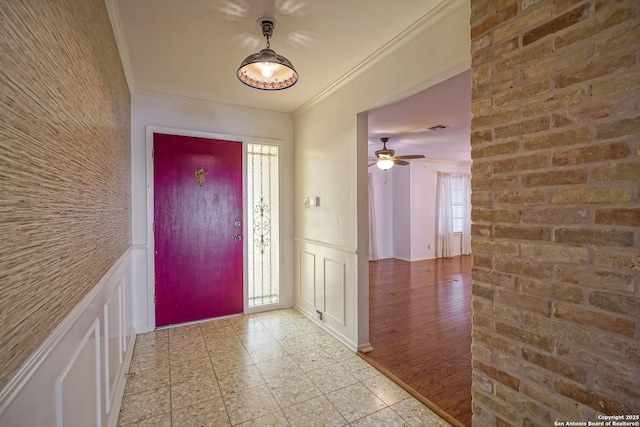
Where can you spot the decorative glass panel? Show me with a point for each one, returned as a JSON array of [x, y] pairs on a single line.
[[263, 226]]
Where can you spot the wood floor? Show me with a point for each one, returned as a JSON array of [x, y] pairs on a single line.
[[420, 328]]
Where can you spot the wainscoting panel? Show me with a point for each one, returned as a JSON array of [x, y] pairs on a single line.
[[75, 409], [77, 376], [334, 286], [327, 289], [112, 344], [307, 277]]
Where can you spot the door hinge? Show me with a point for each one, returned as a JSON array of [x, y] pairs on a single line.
[[153, 226], [153, 153], [155, 299]]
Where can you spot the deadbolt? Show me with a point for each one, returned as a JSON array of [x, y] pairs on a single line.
[[237, 223], [238, 237]]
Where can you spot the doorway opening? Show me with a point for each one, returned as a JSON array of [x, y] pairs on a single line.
[[419, 303]]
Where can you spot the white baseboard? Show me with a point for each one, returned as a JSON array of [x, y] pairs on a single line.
[[77, 375]]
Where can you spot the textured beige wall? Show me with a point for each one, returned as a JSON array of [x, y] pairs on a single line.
[[65, 210], [556, 212]]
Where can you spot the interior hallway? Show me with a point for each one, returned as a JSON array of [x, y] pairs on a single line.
[[420, 328], [270, 369]]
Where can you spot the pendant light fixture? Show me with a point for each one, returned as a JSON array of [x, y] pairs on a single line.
[[266, 69]]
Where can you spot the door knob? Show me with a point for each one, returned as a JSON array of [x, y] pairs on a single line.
[[238, 237]]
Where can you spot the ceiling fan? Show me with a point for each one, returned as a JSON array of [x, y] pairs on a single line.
[[386, 158]]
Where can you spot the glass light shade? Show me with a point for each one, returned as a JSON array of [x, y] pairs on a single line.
[[267, 70], [385, 164]]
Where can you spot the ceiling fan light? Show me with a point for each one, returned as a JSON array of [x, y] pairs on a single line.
[[385, 164]]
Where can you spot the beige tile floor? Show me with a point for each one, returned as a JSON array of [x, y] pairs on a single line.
[[270, 369]]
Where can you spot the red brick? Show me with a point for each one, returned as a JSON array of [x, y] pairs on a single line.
[[555, 177], [624, 349], [594, 70], [494, 343], [496, 150], [554, 102], [494, 278], [618, 128], [523, 336], [627, 305], [617, 172], [618, 216], [519, 232], [616, 258], [561, 22], [522, 128], [594, 237], [597, 319], [599, 403], [482, 260], [522, 302], [498, 375], [502, 423], [535, 161], [565, 369], [524, 198], [481, 291], [522, 92], [553, 290], [524, 267], [481, 136], [484, 53], [493, 20], [556, 139], [494, 215], [555, 216], [523, 404], [591, 154], [594, 277], [502, 183], [590, 28]]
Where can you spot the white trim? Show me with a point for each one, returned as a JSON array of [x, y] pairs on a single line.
[[204, 102], [341, 248], [118, 34], [33, 362], [401, 258], [333, 332], [39, 378], [437, 13]]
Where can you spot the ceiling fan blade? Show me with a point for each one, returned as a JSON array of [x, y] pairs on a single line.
[[411, 156], [400, 162]]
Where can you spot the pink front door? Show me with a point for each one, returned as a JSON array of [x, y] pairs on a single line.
[[198, 228]]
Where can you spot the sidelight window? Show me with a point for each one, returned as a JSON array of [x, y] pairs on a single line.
[[263, 225]]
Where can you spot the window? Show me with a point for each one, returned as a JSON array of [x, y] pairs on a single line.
[[457, 203], [263, 225]]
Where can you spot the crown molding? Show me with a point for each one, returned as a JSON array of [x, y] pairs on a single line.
[[204, 102], [437, 13], [118, 33]]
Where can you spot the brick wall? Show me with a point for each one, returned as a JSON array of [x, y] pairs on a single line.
[[556, 212]]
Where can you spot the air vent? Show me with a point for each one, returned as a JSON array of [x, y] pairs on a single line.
[[437, 128]]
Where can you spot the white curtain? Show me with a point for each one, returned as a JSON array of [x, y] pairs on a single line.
[[444, 216], [373, 246], [466, 214]]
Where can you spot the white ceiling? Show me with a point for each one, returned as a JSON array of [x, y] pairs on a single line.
[[192, 48]]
